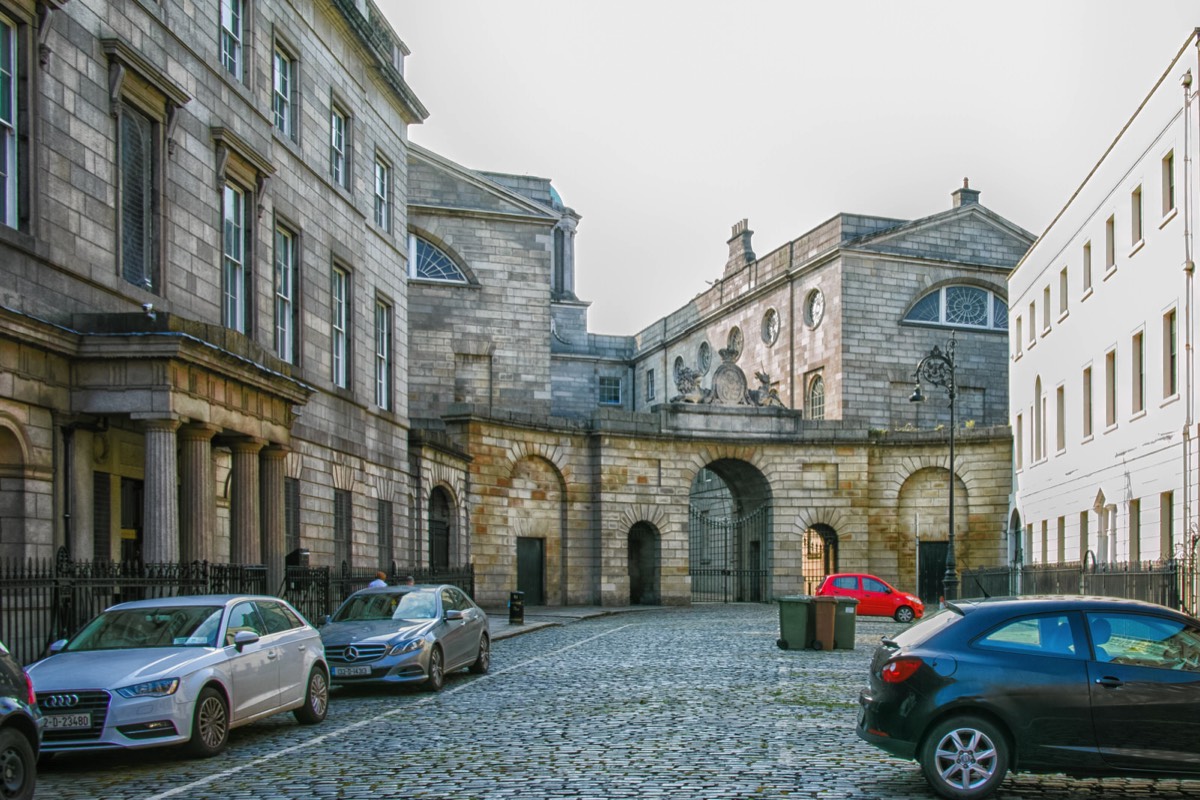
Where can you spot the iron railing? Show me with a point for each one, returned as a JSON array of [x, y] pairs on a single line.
[[43, 600], [1155, 582]]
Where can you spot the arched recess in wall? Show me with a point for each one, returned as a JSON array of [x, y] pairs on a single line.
[[440, 522], [820, 556], [12, 491], [923, 517], [645, 565], [729, 532], [537, 519], [1015, 554]]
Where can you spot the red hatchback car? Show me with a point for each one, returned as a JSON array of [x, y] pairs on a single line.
[[876, 597]]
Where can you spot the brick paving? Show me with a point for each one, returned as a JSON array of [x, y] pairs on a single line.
[[664, 703]]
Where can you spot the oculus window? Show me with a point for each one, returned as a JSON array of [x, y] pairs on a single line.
[[960, 307]]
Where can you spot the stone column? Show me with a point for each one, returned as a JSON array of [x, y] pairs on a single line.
[[245, 543], [197, 493], [273, 533], [81, 535], [160, 515]]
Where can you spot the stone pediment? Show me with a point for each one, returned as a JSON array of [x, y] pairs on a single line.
[[437, 183], [971, 234]]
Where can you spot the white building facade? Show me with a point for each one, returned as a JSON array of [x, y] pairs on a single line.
[[1102, 377]]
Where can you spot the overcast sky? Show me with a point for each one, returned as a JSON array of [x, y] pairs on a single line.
[[664, 122]]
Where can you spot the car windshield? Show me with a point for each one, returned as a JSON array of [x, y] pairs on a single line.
[[160, 626], [371, 606]]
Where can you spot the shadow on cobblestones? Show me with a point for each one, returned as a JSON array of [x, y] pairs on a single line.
[[692, 703]]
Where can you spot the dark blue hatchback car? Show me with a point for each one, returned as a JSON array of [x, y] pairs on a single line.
[[1086, 686], [20, 730]]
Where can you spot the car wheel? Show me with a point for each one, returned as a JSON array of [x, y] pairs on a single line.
[[18, 767], [210, 724], [316, 699], [437, 671], [904, 614], [964, 758], [484, 661]]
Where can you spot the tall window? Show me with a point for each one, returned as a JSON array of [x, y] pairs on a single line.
[[1060, 419], [1166, 525], [1039, 421], [1032, 324], [1061, 544], [383, 195], [960, 307], [1087, 267], [286, 282], [1017, 339], [1046, 309], [383, 354], [343, 512], [1138, 373], [1135, 530], [1170, 355], [291, 513], [610, 391], [1086, 393], [1110, 388], [283, 95], [339, 154], [650, 388], [9, 103], [816, 398], [232, 34], [383, 515], [1020, 441], [1168, 183], [137, 151], [234, 240], [1135, 215], [1063, 291], [1083, 536], [1110, 243], [339, 322]]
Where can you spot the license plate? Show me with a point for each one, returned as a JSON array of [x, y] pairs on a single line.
[[68, 721], [349, 672]]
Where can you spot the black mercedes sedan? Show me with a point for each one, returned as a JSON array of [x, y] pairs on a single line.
[[1086, 686]]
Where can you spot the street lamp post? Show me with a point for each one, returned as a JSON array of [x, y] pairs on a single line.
[[937, 369]]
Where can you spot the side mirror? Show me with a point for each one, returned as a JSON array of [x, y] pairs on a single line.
[[56, 647], [243, 638], [454, 614], [328, 619]]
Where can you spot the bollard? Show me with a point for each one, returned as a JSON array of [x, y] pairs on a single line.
[[516, 608]]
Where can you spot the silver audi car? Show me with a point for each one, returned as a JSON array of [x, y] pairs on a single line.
[[180, 670], [406, 634]]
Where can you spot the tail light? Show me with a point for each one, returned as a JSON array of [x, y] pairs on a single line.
[[899, 670], [30, 697]]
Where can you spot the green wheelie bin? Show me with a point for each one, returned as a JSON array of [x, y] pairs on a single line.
[[844, 623], [795, 622]]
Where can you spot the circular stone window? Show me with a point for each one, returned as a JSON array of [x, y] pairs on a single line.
[[770, 326], [814, 308], [704, 357]]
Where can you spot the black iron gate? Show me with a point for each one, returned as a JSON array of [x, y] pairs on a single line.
[[726, 559]]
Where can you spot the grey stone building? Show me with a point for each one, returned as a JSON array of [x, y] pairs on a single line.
[[243, 315]]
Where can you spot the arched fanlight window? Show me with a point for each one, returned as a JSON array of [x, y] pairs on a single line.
[[960, 307], [428, 262]]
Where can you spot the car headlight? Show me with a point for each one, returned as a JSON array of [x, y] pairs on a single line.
[[407, 647], [162, 688]]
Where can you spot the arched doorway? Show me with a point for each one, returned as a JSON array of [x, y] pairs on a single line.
[[12, 494], [440, 521], [645, 565], [820, 556], [729, 524]]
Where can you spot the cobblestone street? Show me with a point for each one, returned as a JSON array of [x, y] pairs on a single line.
[[670, 703]]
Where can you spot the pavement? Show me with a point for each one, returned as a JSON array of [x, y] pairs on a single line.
[[539, 617]]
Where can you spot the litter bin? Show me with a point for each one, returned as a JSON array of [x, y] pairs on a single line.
[[844, 624], [516, 608], [824, 622], [795, 622]]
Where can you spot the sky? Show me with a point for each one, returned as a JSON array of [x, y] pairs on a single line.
[[665, 122]]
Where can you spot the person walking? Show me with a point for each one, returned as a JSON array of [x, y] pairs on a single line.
[[380, 580]]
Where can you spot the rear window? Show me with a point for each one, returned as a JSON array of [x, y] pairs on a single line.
[[927, 626]]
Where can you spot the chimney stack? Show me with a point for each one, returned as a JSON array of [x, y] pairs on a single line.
[[965, 196], [741, 254]]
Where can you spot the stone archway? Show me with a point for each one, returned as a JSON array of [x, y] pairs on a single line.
[[729, 524], [12, 494], [645, 565], [922, 507], [819, 557]]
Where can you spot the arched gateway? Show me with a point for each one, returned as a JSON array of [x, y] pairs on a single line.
[[729, 524]]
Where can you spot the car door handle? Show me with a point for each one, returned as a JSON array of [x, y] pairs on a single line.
[[303, 647], [272, 654], [1110, 681]]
